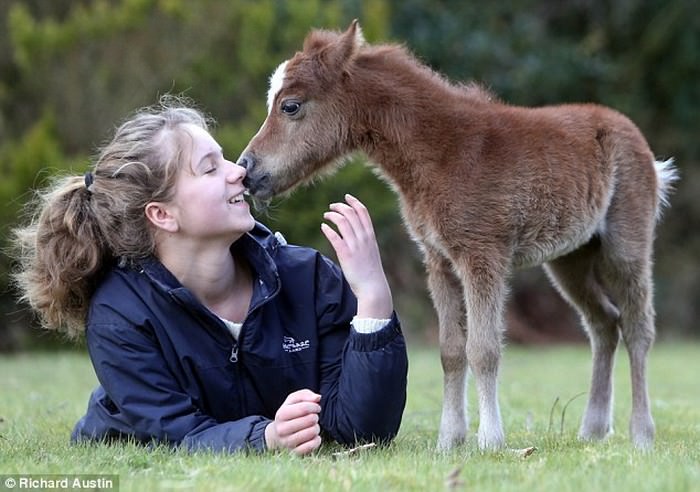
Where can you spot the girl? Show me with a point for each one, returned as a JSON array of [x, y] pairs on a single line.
[[205, 329]]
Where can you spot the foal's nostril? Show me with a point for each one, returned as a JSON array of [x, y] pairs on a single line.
[[244, 162]]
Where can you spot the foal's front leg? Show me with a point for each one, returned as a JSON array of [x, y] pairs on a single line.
[[448, 299], [485, 291]]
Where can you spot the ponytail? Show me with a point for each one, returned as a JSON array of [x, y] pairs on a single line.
[[82, 225], [62, 254]]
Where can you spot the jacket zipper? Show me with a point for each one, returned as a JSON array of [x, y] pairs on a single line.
[[234, 353]]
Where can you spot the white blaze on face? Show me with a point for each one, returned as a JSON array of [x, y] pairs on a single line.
[[276, 84]]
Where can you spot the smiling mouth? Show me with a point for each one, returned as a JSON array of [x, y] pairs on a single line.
[[238, 198]]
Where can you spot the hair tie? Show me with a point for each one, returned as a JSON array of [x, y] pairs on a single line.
[[89, 179]]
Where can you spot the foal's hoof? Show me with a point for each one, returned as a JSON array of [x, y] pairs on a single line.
[[448, 443], [491, 441], [595, 437], [643, 443], [595, 430], [642, 433], [491, 445]]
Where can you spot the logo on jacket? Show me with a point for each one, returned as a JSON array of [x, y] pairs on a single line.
[[290, 345]]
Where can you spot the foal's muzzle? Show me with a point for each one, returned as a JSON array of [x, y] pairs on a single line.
[[258, 184]]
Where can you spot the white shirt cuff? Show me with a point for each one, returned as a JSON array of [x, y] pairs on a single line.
[[368, 325]]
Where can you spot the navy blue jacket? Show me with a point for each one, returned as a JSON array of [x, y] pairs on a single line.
[[170, 371]]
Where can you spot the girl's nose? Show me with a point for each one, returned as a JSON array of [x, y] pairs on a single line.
[[235, 172]]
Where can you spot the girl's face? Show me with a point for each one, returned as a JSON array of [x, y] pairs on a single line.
[[208, 201]]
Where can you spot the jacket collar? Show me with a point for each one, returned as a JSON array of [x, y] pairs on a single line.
[[259, 246]]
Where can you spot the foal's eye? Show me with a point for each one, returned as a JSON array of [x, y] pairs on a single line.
[[290, 108]]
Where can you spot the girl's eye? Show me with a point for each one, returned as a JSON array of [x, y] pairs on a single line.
[[210, 170]]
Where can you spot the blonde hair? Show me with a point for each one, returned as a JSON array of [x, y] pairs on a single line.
[[81, 225]]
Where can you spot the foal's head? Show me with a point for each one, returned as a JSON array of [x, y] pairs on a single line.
[[309, 106]]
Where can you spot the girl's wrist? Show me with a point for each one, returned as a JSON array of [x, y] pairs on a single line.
[[378, 305]]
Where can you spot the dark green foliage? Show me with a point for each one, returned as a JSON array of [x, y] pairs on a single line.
[[71, 70]]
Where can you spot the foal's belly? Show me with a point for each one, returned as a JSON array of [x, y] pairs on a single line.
[[542, 252], [526, 248]]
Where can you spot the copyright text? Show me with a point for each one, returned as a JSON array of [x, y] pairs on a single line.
[[59, 482]]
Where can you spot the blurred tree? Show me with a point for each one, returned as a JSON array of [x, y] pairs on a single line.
[[71, 69]]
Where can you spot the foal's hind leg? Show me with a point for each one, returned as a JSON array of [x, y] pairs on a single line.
[[446, 292], [627, 276], [577, 281]]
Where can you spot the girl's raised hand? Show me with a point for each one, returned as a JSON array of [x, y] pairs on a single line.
[[356, 247]]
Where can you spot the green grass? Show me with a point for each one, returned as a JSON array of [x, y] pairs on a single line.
[[42, 395]]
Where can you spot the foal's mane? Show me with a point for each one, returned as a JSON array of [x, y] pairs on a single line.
[[391, 58], [399, 59]]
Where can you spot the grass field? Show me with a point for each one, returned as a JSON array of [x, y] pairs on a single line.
[[42, 395]]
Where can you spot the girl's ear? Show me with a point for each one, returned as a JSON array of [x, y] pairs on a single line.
[[162, 217]]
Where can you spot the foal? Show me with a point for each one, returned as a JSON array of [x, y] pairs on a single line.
[[485, 188]]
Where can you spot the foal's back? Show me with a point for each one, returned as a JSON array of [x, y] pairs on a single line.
[[539, 181]]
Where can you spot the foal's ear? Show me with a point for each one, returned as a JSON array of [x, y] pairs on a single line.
[[348, 44], [355, 31]]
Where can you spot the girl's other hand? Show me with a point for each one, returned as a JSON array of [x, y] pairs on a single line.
[[296, 424]]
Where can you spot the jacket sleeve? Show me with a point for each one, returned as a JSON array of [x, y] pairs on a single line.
[[141, 398], [363, 375]]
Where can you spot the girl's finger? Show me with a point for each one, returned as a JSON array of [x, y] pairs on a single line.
[[289, 428], [351, 215], [361, 211], [345, 228], [302, 395], [308, 446]]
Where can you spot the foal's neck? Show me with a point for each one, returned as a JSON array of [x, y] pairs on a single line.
[[413, 118]]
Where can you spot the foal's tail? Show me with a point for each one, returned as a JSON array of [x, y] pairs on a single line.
[[667, 175]]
